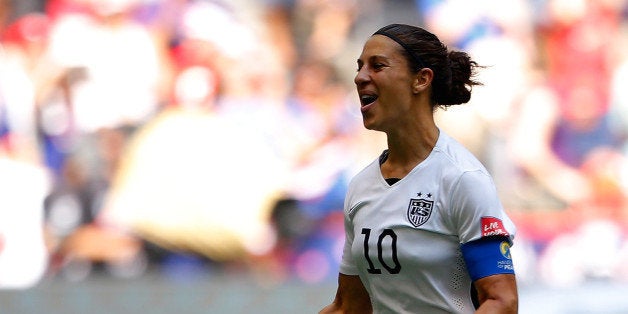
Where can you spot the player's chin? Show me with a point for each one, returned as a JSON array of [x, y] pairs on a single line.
[[368, 121], [368, 126], [371, 124]]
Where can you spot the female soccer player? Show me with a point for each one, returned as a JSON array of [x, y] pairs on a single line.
[[425, 230]]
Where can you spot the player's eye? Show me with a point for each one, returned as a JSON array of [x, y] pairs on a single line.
[[378, 66]]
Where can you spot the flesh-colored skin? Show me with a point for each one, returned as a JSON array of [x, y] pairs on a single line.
[[402, 110], [351, 297], [497, 294]]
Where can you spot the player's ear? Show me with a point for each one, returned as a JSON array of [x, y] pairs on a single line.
[[422, 80]]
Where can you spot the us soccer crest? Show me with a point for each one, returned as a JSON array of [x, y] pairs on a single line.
[[419, 210]]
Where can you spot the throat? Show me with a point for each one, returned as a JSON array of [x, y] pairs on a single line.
[[390, 179]]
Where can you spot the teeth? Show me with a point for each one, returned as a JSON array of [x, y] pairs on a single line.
[[367, 99]]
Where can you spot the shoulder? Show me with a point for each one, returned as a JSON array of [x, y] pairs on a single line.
[[457, 155], [365, 184], [369, 172]]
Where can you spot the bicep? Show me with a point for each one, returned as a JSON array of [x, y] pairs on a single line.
[[351, 297], [497, 294], [489, 264]]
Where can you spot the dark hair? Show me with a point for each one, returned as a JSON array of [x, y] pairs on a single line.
[[453, 70]]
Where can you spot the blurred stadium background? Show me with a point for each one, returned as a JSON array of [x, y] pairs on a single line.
[[179, 156]]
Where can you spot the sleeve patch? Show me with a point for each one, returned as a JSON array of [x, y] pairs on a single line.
[[492, 226], [486, 257]]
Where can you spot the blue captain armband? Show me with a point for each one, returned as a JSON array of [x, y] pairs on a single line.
[[488, 256]]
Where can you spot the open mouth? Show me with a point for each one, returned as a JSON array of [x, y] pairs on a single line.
[[367, 99]]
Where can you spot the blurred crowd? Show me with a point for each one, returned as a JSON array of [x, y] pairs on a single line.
[[208, 135]]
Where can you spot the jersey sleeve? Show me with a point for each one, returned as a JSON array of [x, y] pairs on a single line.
[[477, 212], [347, 264]]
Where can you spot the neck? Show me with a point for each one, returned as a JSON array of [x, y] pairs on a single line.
[[407, 149]]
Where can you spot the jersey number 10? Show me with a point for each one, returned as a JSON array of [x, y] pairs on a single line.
[[393, 251]]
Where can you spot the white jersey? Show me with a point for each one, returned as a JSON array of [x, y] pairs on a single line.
[[403, 240]]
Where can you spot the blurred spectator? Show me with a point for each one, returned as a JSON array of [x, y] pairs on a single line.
[[320, 154], [25, 73], [563, 135], [24, 182], [227, 130], [201, 177], [323, 124], [122, 64], [113, 69], [563, 138]]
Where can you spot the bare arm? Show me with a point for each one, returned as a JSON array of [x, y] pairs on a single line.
[[497, 294], [351, 297]]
